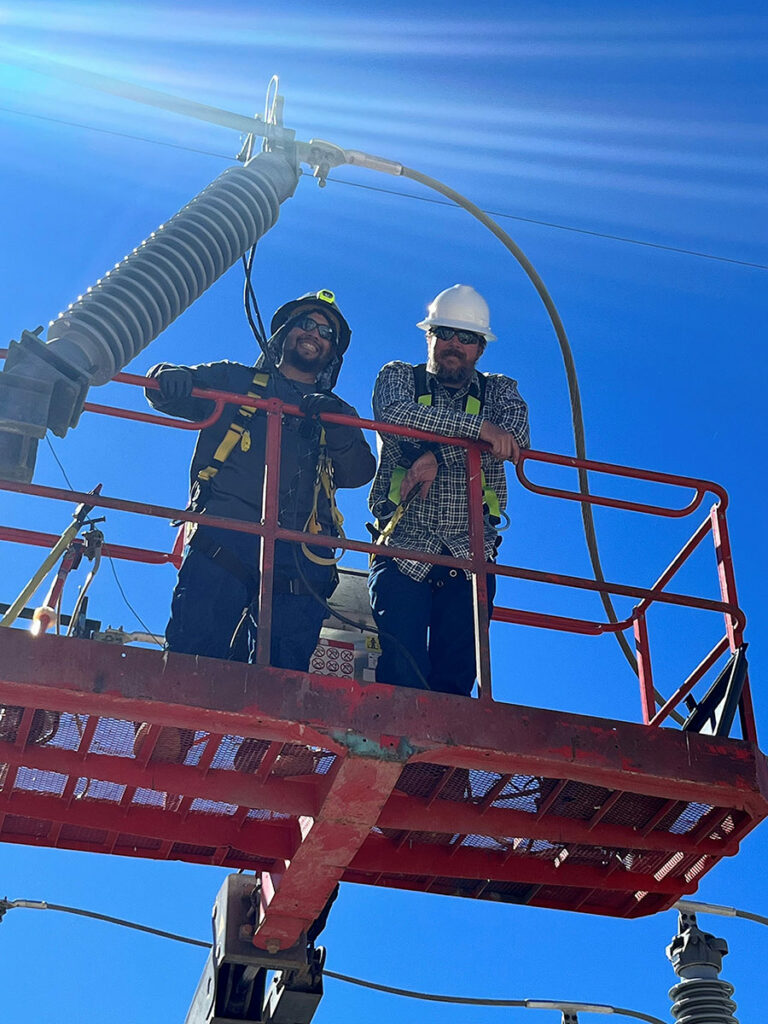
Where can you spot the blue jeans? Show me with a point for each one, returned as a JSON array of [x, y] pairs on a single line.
[[210, 603], [426, 629]]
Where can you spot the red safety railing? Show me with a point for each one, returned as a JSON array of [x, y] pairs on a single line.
[[270, 531]]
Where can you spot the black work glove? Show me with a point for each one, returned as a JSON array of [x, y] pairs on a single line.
[[175, 382], [315, 403]]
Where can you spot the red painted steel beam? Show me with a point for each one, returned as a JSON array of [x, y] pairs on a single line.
[[734, 628], [738, 780], [293, 899], [109, 847], [536, 896], [653, 903], [725, 571], [239, 525], [682, 692], [227, 697], [604, 808], [479, 578], [270, 841], [46, 540], [271, 513], [285, 796], [680, 558], [607, 587], [644, 669], [378, 855], [561, 623], [643, 909], [449, 817], [614, 469]]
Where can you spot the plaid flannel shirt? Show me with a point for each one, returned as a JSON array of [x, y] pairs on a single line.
[[440, 520]]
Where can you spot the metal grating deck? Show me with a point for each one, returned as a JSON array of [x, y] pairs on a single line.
[[312, 780]]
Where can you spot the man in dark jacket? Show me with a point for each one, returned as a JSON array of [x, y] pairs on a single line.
[[214, 606]]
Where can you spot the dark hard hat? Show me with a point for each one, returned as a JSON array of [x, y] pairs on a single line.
[[323, 301]]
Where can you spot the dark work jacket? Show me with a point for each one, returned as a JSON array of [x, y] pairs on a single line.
[[236, 490]]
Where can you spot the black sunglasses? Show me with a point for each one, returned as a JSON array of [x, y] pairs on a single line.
[[465, 337], [307, 323]]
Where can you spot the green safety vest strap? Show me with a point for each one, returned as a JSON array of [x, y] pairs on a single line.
[[473, 404], [490, 500], [394, 484]]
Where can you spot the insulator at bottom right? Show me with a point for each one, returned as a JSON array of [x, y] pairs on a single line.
[[697, 957], [703, 1001]]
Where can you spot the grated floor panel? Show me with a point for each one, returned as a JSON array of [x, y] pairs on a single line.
[[437, 800]]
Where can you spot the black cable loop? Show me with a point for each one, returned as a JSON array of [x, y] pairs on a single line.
[[362, 626], [577, 417], [432, 997]]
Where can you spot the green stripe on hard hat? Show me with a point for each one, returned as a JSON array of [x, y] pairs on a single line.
[[324, 301]]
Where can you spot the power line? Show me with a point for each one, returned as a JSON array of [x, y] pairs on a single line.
[[111, 560], [139, 619], [59, 463], [695, 907], [528, 1004], [560, 227], [111, 131], [42, 905], [412, 195]]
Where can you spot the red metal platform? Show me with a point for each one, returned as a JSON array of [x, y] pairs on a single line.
[[311, 780], [371, 784]]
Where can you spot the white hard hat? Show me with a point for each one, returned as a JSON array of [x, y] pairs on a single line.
[[460, 307]]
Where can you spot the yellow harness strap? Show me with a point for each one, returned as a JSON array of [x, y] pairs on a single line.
[[389, 527], [237, 433], [323, 482]]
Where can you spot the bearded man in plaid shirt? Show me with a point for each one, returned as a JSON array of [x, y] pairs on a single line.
[[424, 612]]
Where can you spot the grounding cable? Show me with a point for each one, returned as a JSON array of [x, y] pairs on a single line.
[[577, 417], [111, 559], [696, 907], [432, 997]]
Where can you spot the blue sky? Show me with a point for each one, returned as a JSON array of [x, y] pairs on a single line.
[[644, 121]]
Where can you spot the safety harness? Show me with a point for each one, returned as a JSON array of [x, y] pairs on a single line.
[[238, 433], [473, 404], [323, 482]]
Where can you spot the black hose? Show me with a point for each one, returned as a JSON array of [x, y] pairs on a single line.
[[251, 304], [363, 626], [577, 417]]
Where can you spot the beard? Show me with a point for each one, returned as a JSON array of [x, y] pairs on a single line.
[[307, 364], [312, 362], [456, 374]]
